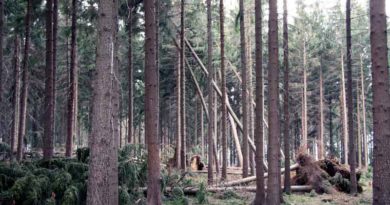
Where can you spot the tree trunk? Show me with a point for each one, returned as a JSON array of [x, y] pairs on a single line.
[[352, 143], [358, 133], [151, 106], [202, 133], [320, 139], [15, 97], [210, 131], [130, 126], [331, 138], [73, 81], [25, 83], [304, 142], [286, 130], [259, 109], [49, 98], [55, 31], [381, 102], [363, 99], [273, 194], [183, 90], [236, 140], [344, 141], [224, 93], [178, 114], [1, 48], [103, 175], [244, 91]]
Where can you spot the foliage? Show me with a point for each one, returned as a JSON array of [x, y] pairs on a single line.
[[201, 195], [83, 154]]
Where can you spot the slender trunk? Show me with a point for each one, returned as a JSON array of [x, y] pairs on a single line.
[[151, 106], [358, 136], [331, 138], [15, 97], [304, 142], [130, 126], [211, 75], [183, 90], [344, 118], [259, 109], [103, 175], [178, 114], [55, 31], [286, 130], [245, 150], [196, 111], [224, 93], [352, 143], [320, 139], [1, 48], [363, 99], [202, 133], [25, 83], [236, 141], [73, 81], [381, 102], [49, 98], [273, 195]]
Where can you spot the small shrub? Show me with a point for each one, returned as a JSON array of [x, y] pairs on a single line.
[[201, 195]]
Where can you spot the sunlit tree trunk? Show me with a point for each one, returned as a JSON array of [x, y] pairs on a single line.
[[15, 97], [304, 142], [363, 99], [381, 102], [344, 121]]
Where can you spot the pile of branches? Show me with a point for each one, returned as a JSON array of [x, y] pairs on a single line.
[[325, 176]]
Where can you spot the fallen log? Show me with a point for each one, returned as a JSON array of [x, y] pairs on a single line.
[[194, 190], [253, 178]]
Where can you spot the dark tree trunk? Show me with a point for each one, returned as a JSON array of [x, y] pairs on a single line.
[[211, 124], [245, 150], [151, 106], [130, 131], [352, 143], [49, 98], [178, 113], [286, 133], [183, 90], [55, 31], [73, 82], [103, 173], [273, 194], [259, 109], [1, 47], [381, 102], [25, 83], [15, 97], [223, 85]]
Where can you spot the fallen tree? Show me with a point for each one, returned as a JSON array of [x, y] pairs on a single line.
[[252, 178]]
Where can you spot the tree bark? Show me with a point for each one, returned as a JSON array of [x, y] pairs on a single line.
[[73, 81], [363, 99], [273, 194], [1, 47], [304, 142], [358, 133], [331, 137], [130, 129], [55, 31], [151, 105], [320, 139], [286, 130], [178, 113], [211, 125], [344, 118], [224, 93], [25, 83], [15, 97], [352, 143], [49, 98], [183, 89], [103, 175], [259, 109], [236, 141], [381, 102], [244, 92]]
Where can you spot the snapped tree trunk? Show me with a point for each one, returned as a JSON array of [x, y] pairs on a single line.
[[381, 102]]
